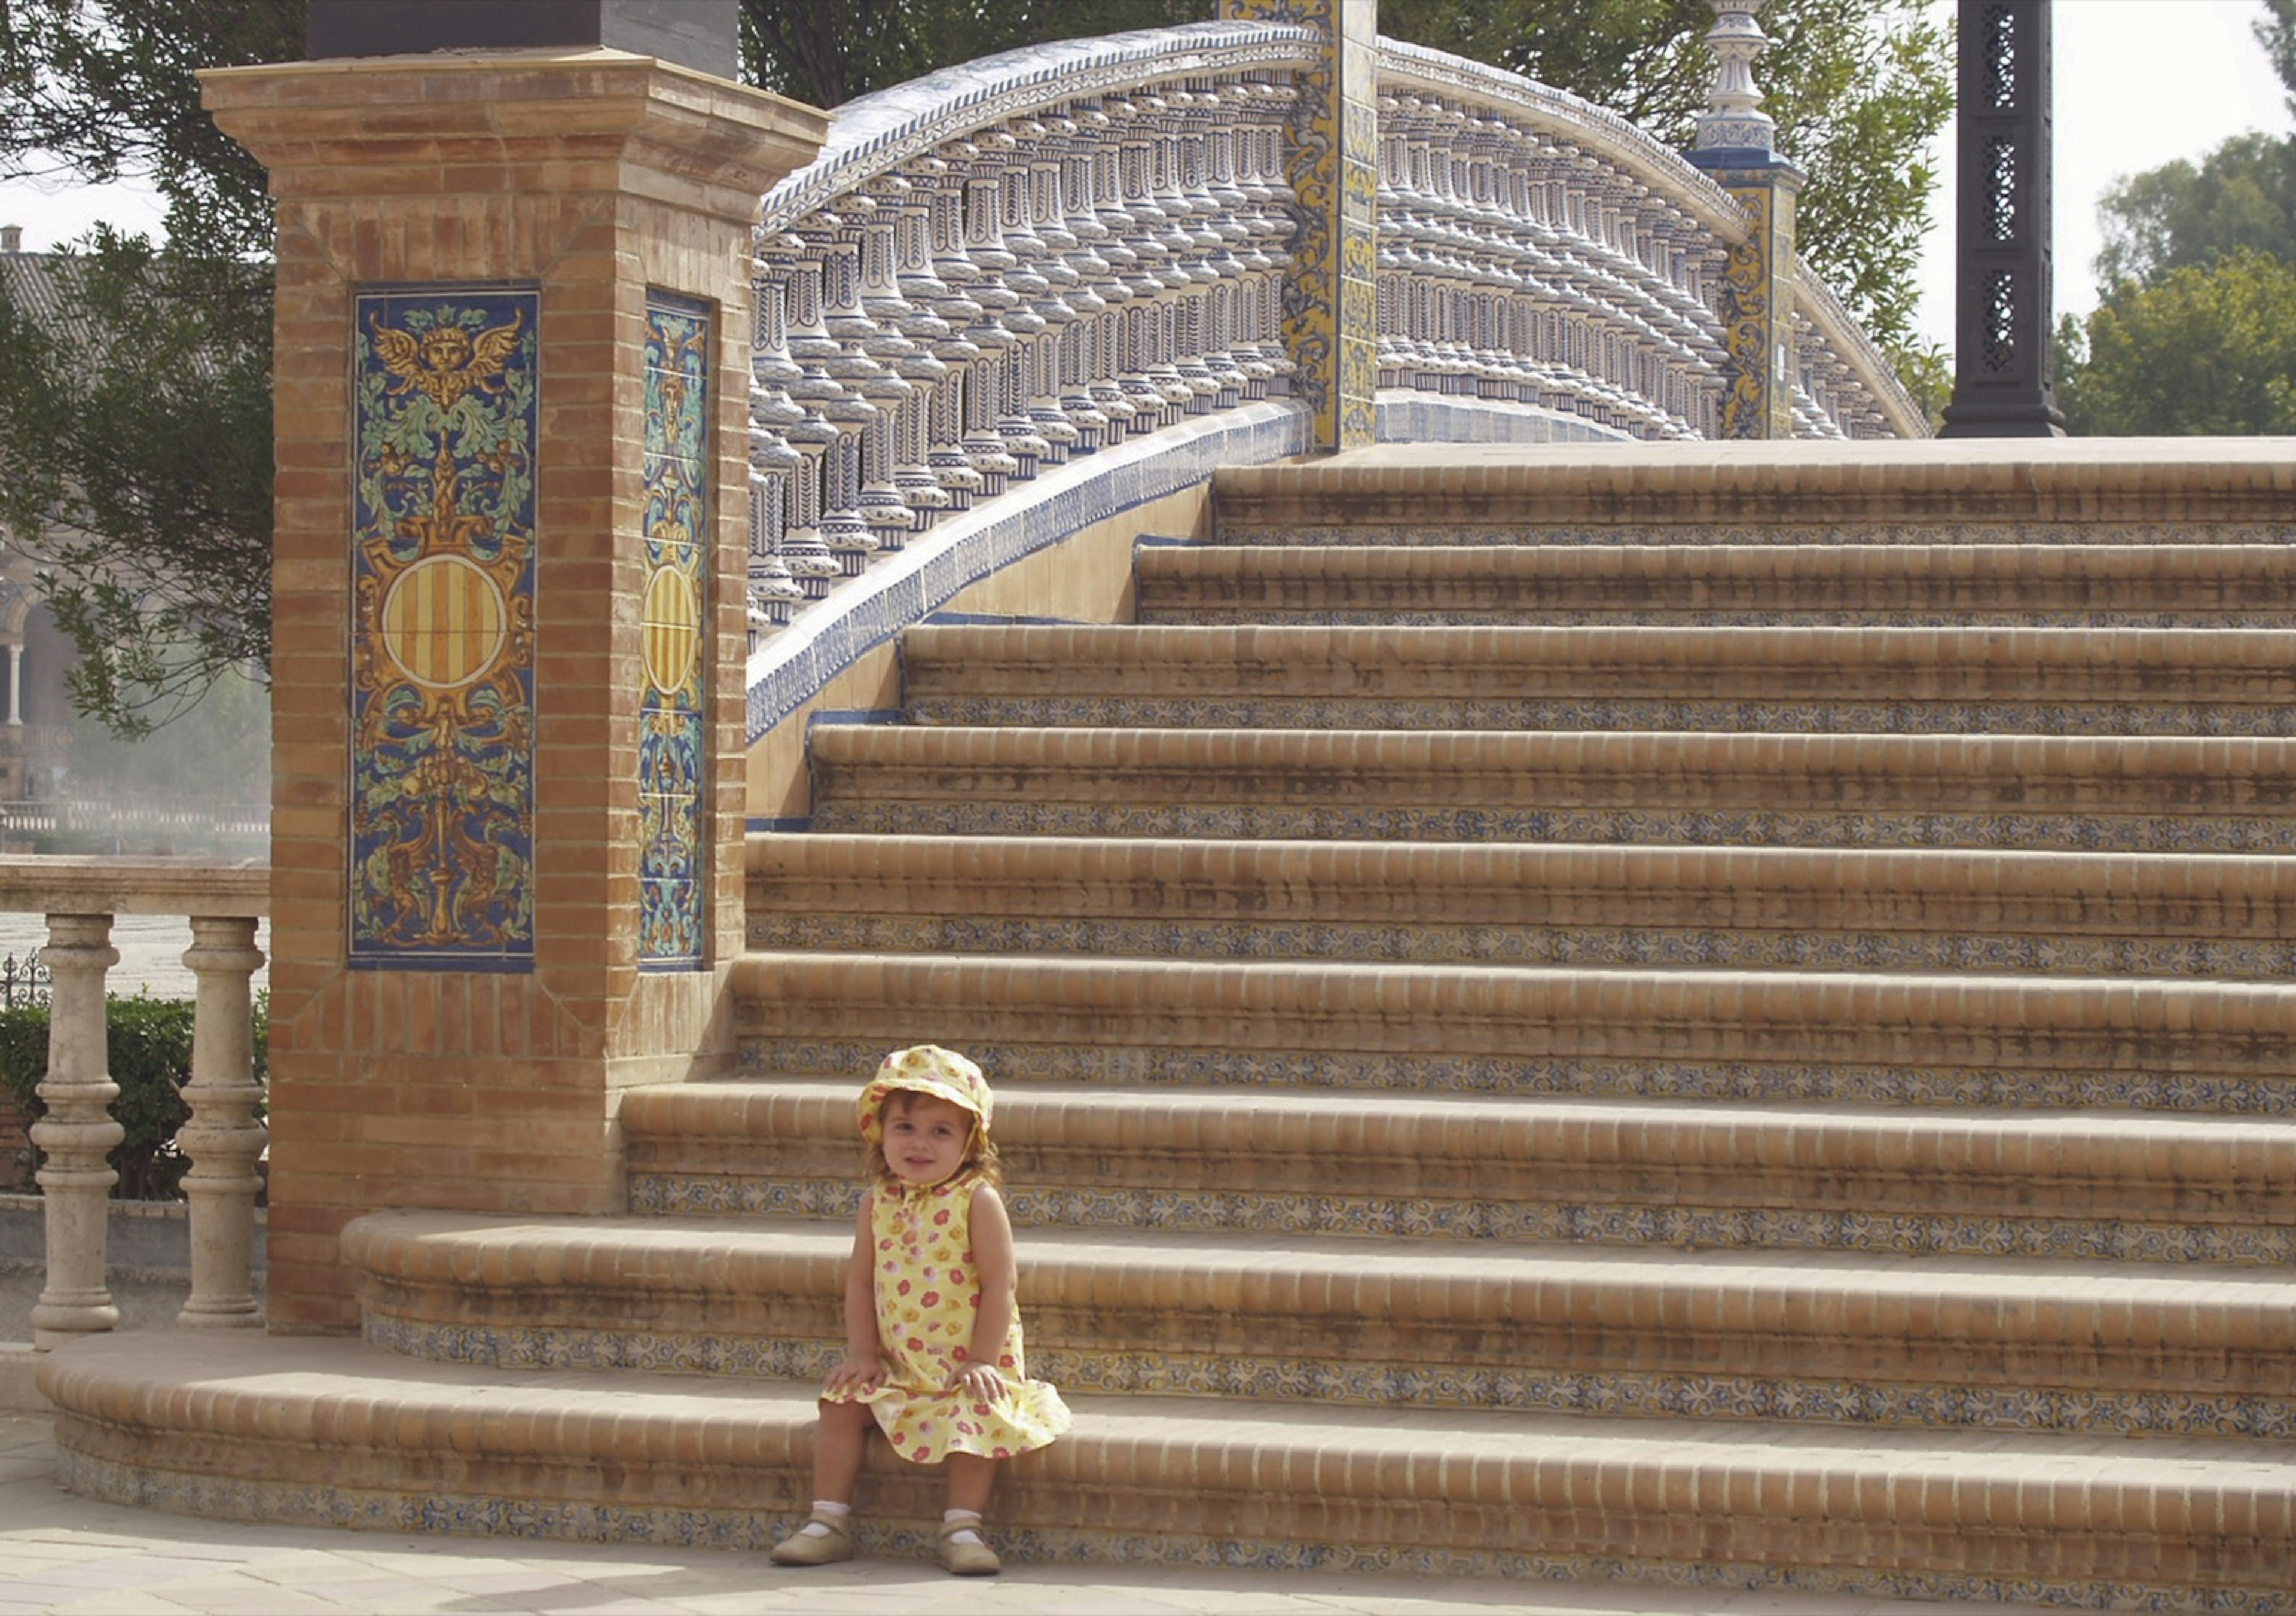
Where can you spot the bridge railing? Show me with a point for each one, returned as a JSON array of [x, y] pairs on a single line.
[[999, 270], [225, 1137]]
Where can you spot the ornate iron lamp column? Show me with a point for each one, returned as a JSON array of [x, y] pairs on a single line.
[[2004, 373]]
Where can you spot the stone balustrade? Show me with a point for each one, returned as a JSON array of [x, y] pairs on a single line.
[[997, 269], [223, 1139]]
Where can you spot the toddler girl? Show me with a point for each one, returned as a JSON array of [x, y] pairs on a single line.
[[932, 1339]]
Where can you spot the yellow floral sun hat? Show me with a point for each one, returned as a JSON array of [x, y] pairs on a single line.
[[925, 1068]]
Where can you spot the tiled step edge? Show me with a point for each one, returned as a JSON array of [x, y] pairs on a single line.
[[1641, 1174], [2083, 794], [1469, 677], [2199, 1046], [1983, 1345], [270, 1427], [2161, 585], [1527, 904], [2175, 483]]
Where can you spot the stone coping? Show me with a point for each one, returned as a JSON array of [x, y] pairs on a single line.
[[55, 884]]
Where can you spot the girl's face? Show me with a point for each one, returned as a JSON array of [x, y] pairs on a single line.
[[924, 1137]]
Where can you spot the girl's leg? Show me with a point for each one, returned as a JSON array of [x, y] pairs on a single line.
[[971, 1479], [837, 1444], [962, 1550], [837, 1448]]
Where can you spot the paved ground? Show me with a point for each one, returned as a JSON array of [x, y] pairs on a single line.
[[62, 1554]]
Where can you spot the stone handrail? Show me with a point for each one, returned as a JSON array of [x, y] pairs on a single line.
[[223, 1139], [1852, 391], [1002, 267], [1536, 249]]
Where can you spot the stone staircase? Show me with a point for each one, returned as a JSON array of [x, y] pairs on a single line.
[[1737, 1034]]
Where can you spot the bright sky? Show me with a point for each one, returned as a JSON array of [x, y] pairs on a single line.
[[2139, 83]]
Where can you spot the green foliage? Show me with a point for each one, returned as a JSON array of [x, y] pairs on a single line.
[[1925, 371], [827, 54], [2207, 349], [148, 1052]]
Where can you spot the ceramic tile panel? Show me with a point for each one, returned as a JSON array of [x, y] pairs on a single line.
[[674, 673], [445, 417]]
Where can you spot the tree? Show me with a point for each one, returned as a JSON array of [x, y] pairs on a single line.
[[1858, 89], [2242, 196], [134, 400], [2206, 348], [828, 54], [2190, 336]]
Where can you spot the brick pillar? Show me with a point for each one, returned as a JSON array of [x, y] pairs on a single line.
[[1330, 300], [512, 381]]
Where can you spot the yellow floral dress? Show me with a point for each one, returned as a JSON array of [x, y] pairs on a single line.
[[927, 1295]]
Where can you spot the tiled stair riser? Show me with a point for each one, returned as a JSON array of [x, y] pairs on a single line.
[[1080, 1515], [1163, 1371], [1991, 1086], [929, 811], [1177, 611], [2053, 953], [1239, 525], [1749, 1339], [1678, 1224], [2271, 715]]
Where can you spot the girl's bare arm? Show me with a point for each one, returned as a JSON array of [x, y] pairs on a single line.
[[993, 1261], [863, 1366]]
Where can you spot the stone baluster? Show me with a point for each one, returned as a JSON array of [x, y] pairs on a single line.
[[223, 1139], [899, 336], [76, 1133], [869, 507], [1101, 290], [1040, 276], [774, 593], [781, 263]]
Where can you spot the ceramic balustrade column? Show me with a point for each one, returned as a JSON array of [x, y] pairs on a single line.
[[223, 1139], [77, 1134]]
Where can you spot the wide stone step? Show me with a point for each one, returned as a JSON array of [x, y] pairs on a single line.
[[323, 1432], [2078, 793], [1638, 1173], [1874, 680], [2102, 491], [1511, 903], [1999, 1344], [2036, 585], [1956, 1040]]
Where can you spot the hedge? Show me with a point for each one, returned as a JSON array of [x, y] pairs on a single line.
[[148, 1052]]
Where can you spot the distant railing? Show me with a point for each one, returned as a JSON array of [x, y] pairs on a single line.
[[999, 269], [49, 815], [223, 1139]]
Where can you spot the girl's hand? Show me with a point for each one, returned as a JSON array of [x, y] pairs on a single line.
[[982, 1382], [860, 1371]]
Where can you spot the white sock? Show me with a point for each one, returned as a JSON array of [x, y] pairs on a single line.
[[967, 1517], [824, 1506]]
